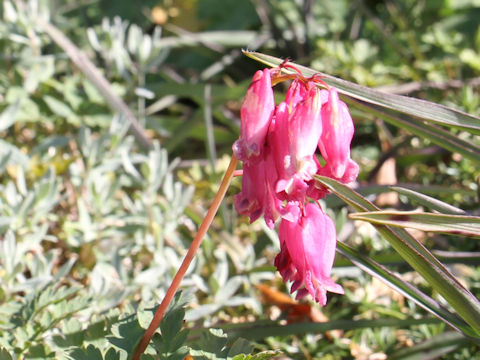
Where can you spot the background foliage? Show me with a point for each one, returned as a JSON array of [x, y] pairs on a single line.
[[93, 225]]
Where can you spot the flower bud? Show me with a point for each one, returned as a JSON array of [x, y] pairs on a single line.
[[256, 114], [336, 135]]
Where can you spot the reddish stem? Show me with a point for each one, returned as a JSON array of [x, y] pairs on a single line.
[[157, 318]]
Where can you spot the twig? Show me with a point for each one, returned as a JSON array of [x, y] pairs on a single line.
[[97, 79], [157, 318]]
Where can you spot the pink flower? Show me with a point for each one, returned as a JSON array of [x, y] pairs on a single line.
[[277, 145], [250, 201], [256, 114], [257, 197], [350, 174], [337, 135], [296, 133], [307, 254]]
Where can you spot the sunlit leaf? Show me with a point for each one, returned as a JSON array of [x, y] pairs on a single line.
[[428, 201], [375, 269], [419, 257], [455, 224]]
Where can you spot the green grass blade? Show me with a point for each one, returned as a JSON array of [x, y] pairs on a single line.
[[428, 201], [426, 302], [419, 257], [419, 108], [453, 224]]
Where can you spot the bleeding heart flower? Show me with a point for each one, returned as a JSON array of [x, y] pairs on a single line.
[[256, 114], [337, 134], [307, 254], [296, 133], [277, 145], [257, 196]]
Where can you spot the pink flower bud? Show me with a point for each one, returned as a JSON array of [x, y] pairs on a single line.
[[256, 114], [337, 134], [307, 254]]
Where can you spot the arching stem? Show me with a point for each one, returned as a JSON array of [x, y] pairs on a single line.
[[207, 221]]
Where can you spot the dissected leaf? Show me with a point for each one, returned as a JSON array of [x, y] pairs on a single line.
[[88, 353], [127, 333]]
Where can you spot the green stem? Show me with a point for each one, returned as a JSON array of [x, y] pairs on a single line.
[[207, 221]]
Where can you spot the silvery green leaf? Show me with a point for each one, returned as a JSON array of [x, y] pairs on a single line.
[[16, 156], [59, 107], [145, 48], [144, 93], [201, 311], [227, 290], [134, 38], [8, 116], [93, 39], [9, 11]]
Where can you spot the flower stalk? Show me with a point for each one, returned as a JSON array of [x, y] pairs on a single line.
[[207, 221]]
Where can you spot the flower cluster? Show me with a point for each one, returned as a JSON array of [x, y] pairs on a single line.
[[278, 145]]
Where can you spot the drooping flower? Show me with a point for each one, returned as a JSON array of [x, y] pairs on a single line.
[[258, 195], [251, 200], [256, 114], [307, 254], [337, 135], [297, 130], [277, 145], [350, 174]]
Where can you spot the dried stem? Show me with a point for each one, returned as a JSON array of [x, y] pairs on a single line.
[[157, 318], [98, 80]]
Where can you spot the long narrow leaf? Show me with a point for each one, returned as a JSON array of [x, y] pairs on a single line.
[[255, 331], [419, 257], [426, 302], [428, 201], [432, 348], [419, 108], [432, 190], [436, 134], [455, 224]]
